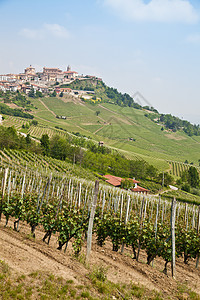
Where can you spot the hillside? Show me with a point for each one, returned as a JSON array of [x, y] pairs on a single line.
[[41, 194], [115, 120], [29, 269], [123, 128]]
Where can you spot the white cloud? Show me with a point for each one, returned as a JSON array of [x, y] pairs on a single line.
[[193, 38], [31, 33], [55, 30], [155, 10]]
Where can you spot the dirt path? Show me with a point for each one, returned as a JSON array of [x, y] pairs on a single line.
[[100, 128], [47, 107], [25, 255]]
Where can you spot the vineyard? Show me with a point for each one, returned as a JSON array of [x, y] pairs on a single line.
[[176, 168], [15, 159], [35, 131], [73, 209]]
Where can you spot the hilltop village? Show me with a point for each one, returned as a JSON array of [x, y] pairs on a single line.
[[44, 82]]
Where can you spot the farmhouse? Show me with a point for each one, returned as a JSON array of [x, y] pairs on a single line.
[[116, 181]]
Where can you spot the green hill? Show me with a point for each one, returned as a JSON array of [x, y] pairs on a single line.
[[125, 128]]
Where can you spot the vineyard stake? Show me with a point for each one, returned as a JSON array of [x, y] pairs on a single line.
[[126, 218], [79, 196], [121, 207], [173, 219], [198, 228], [3, 190], [91, 220], [139, 242]]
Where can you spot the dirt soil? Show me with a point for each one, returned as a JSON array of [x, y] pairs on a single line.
[[25, 255]]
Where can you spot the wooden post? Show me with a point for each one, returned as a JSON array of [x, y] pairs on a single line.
[[126, 218], [3, 190], [193, 217], [103, 204], [121, 207], [173, 218], [4, 182], [23, 186], [9, 187], [141, 223], [79, 196], [145, 209], [198, 228], [50, 178], [185, 218], [91, 220]]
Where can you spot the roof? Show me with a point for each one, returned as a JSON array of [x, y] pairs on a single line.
[[113, 180], [134, 181], [70, 72], [116, 181], [139, 189]]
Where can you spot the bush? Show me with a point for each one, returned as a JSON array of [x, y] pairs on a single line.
[[186, 187]]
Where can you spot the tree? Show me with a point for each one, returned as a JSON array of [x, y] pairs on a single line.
[[31, 93], [152, 171], [168, 179], [186, 187], [28, 139], [59, 147], [38, 94], [34, 122], [61, 94], [193, 177], [45, 144], [54, 94], [126, 184], [97, 112]]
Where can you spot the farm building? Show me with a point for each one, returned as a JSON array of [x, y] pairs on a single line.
[[116, 181]]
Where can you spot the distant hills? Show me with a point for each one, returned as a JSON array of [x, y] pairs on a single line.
[[112, 117]]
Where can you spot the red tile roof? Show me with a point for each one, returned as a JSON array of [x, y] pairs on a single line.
[[116, 181], [139, 189], [134, 181], [71, 72]]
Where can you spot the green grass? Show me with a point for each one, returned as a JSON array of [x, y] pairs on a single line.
[[41, 285], [182, 196], [115, 125]]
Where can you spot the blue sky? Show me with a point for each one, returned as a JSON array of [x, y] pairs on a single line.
[[135, 45]]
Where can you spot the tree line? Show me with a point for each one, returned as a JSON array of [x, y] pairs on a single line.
[[4, 109], [96, 158], [174, 123], [100, 159]]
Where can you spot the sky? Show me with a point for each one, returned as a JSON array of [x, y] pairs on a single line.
[[146, 46]]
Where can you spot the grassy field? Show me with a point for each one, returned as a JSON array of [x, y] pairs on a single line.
[[123, 128]]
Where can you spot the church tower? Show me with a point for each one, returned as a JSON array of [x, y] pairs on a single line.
[[68, 68]]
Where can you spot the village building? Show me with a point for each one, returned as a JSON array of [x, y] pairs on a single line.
[[11, 77], [51, 71], [44, 80], [62, 90], [69, 74], [51, 74], [30, 71], [101, 143], [3, 78], [116, 181]]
